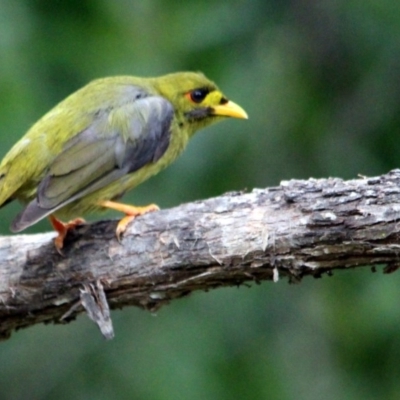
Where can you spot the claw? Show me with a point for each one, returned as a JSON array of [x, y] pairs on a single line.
[[131, 212], [62, 229]]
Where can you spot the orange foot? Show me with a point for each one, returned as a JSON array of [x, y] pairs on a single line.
[[62, 229], [131, 213]]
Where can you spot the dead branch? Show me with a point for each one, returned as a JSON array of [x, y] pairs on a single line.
[[302, 227]]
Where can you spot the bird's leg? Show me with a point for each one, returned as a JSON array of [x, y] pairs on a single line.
[[131, 212], [62, 229]]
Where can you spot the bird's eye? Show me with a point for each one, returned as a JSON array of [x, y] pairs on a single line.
[[198, 95]]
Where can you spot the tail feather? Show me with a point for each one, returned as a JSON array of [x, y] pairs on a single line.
[[31, 214]]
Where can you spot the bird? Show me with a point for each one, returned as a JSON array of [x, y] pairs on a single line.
[[102, 141]]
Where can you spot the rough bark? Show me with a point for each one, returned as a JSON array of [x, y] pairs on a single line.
[[302, 227]]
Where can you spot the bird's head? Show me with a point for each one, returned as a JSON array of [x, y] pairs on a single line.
[[197, 101]]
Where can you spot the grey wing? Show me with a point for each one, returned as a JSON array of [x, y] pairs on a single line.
[[118, 142]]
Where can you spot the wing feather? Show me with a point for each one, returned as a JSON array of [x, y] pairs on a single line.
[[119, 142]]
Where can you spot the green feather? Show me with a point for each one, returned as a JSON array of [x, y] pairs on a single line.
[[104, 140]]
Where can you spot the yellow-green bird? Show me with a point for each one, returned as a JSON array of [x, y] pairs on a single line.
[[104, 140]]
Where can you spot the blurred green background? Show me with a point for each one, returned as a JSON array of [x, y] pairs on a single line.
[[320, 81]]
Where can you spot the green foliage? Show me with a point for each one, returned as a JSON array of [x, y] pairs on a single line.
[[320, 82]]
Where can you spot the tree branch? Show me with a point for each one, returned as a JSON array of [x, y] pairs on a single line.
[[297, 229]]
